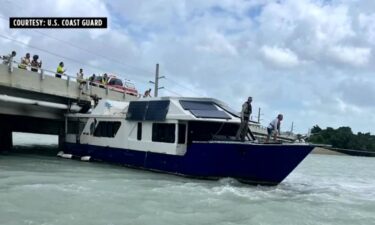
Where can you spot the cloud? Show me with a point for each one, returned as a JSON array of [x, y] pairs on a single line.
[[217, 44], [309, 59], [280, 57], [355, 56], [357, 92]]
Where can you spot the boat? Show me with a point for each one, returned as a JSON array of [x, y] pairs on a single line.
[[192, 137]]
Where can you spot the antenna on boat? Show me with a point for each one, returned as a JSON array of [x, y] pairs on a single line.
[[292, 128], [259, 114], [157, 81]]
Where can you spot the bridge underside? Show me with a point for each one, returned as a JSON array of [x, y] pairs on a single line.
[[36, 102], [12, 123]]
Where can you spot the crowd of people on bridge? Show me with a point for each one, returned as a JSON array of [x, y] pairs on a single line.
[[35, 65]]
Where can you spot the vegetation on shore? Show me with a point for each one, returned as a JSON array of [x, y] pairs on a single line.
[[343, 138]]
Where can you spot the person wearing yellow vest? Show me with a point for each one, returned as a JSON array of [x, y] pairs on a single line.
[[105, 79], [25, 61], [60, 70]]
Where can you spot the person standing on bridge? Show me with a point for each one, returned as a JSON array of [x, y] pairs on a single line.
[[25, 62], [92, 78], [35, 65], [60, 70], [80, 79], [9, 58], [274, 128], [105, 79], [80, 75], [245, 117]]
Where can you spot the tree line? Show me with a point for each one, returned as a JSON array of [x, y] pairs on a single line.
[[342, 137]]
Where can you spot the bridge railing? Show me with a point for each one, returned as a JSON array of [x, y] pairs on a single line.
[[45, 72], [45, 81], [42, 71]]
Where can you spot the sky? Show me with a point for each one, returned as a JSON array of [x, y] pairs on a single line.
[[311, 60]]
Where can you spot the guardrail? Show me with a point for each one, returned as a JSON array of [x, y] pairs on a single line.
[[45, 81], [41, 71], [65, 76]]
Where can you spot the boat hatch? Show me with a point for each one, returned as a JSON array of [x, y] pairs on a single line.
[[148, 110], [206, 109]]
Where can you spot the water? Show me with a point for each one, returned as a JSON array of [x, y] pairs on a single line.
[[37, 189]]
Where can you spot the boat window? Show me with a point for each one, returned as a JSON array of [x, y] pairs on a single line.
[[181, 133], [107, 129], [163, 132], [92, 127], [206, 131], [139, 131]]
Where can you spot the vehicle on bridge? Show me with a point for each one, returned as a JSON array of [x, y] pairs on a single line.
[[116, 84]]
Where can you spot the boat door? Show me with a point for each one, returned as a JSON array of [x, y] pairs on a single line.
[[181, 134]]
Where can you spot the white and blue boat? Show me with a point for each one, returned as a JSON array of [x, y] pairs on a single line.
[[193, 137]]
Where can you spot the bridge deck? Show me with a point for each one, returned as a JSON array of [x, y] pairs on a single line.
[[65, 87]]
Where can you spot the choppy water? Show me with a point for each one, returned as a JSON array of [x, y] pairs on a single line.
[[38, 189]]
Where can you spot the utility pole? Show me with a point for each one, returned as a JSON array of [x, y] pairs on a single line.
[[259, 115], [156, 82], [291, 130]]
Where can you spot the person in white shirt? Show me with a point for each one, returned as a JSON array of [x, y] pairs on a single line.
[[9, 58], [80, 75], [25, 62], [274, 128]]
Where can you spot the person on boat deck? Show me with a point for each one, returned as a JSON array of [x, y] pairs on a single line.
[[35, 65], [147, 93], [9, 58], [25, 61], [60, 70], [274, 127], [245, 116]]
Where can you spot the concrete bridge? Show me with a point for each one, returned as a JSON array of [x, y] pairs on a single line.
[[36, 102]]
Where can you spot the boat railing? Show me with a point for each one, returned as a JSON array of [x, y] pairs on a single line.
[[264, 128]]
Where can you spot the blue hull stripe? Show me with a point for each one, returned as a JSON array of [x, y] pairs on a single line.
[[255, 164]]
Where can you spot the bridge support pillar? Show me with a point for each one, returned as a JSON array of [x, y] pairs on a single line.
[[61, 142], [6, 139]]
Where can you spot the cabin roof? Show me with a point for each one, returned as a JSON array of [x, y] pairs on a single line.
[[162, 108]]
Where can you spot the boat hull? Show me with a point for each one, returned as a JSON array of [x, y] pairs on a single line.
[[248, 163]]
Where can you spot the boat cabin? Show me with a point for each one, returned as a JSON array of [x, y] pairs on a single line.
[[166, 125]]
